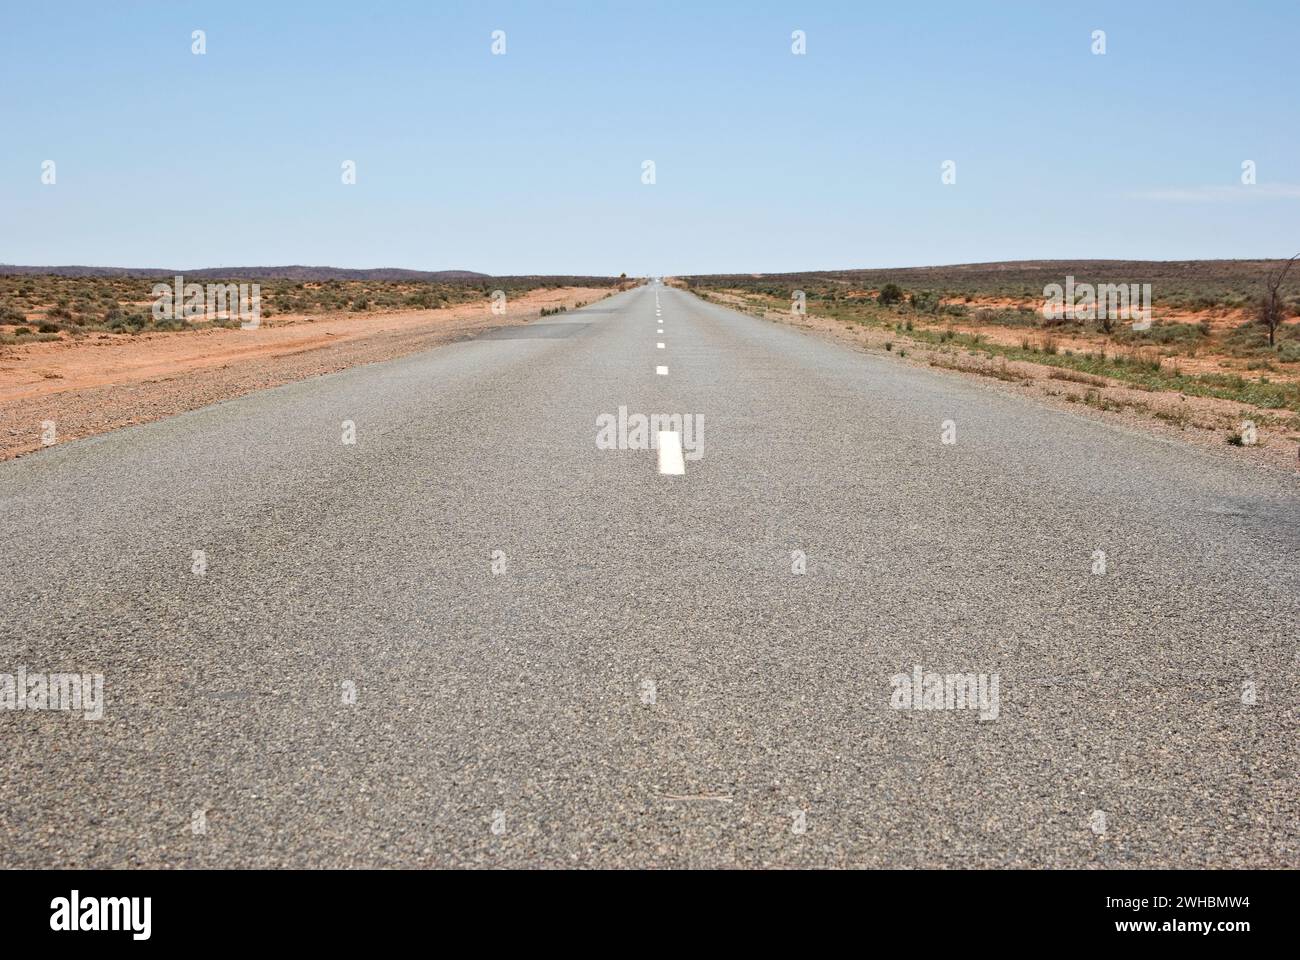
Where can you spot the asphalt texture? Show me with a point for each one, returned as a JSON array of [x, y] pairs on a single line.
[[473, 637]]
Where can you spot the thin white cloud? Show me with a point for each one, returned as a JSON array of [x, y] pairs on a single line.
[[1221, 193]]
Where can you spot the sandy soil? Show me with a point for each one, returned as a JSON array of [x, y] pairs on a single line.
[[1220, 322], [1205, 421], [103, 382]]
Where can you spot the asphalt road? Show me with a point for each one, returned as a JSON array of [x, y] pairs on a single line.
[[646, 680]]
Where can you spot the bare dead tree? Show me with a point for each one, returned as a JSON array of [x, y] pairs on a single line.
[[1272, 306]]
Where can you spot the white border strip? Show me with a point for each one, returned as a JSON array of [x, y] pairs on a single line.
[[671, 462]]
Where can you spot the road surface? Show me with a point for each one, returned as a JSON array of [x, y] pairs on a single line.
[[473, 637]]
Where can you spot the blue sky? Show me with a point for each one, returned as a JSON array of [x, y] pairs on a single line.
[[531, 162]]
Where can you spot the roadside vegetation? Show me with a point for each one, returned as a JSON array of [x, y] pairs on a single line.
[[36, 307], [1203, 285], [1222, 329]]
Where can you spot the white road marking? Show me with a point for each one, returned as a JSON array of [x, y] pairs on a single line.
[[661, 330], [662, 371], [670, 453], [659, 346]]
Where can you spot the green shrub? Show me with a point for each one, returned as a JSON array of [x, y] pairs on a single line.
[[891, 293], [925, 301]]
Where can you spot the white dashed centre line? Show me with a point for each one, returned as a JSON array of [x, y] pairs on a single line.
[[662, 371], [670, 453], [659, 346]]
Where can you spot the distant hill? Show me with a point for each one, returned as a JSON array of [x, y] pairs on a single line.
[[252, 273], [1211, 280], [1032, 271]]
